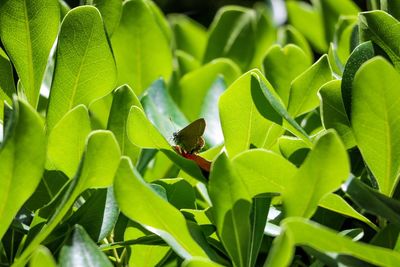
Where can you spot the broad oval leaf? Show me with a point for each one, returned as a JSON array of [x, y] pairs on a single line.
[[22, 158], [263, 171], [28, 30], [232, 35], [282, 65], [333, 113], [384, 30], [110, 12], [67, 140], [155, 214], [231, 209], [140, 47], [82, 251], [7, 87], [374, 119], [324, 170], [242, 125], [123, 100], [42, 257], [303, 92], [84, 68]]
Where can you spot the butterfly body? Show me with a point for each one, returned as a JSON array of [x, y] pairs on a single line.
[[190, 139]]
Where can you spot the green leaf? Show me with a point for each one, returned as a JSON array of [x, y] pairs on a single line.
[[372, 201], [110, 11], [232, 35], [199, 262], [231, 209], [359, 56], [307, 20], [179, 193], [282, 65], [299, 231], [97, 170], [194, 86], [98, 214], [209, 111], [186, 62], [82, 251], [28, 30], [270, 106], [290, 35], [123, 100], [190, 36], [393, 7], [155, 214], [42, 257], [7, 87], [66, 142], [148, 136], [337, 204], [258, 220], [303, 92], [161, 109], [242, 125], [324, 170], [263, 171], [140, 47], [374, 119], [22, 158], [333, 113], [99, 111], [331, 10], [384, 30], [85, 68]]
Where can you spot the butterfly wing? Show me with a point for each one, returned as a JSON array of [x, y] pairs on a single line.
[[188, 137]]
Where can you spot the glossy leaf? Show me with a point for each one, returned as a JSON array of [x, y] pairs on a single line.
[[303, 92], [97, 170], [194, 86], [209, 111], [308, 21], [384, 30], [270, 106], [167, 222], [85, 68], [22, 158], [123, 100], [7, 87], [27, 41], [232, 35], [241, 123], [148, 136], [282, 65], [66, 142], [162, 111], [110, 11], [290, 35], [263, 171], [359, 56], [200, 262], [324, 170], [42, 257], [372, 201], [179, 193], [82, 251], [231, 210], [333, 113], [299, 231], [190, 36], [374, 119], [138, 65], [337, 204]]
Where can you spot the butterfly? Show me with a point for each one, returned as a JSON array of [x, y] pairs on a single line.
[[190, 139]]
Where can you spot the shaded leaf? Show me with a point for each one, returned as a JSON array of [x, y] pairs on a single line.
[[22, 158]]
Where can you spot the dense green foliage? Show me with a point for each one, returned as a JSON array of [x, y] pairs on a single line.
[[302, 135]]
